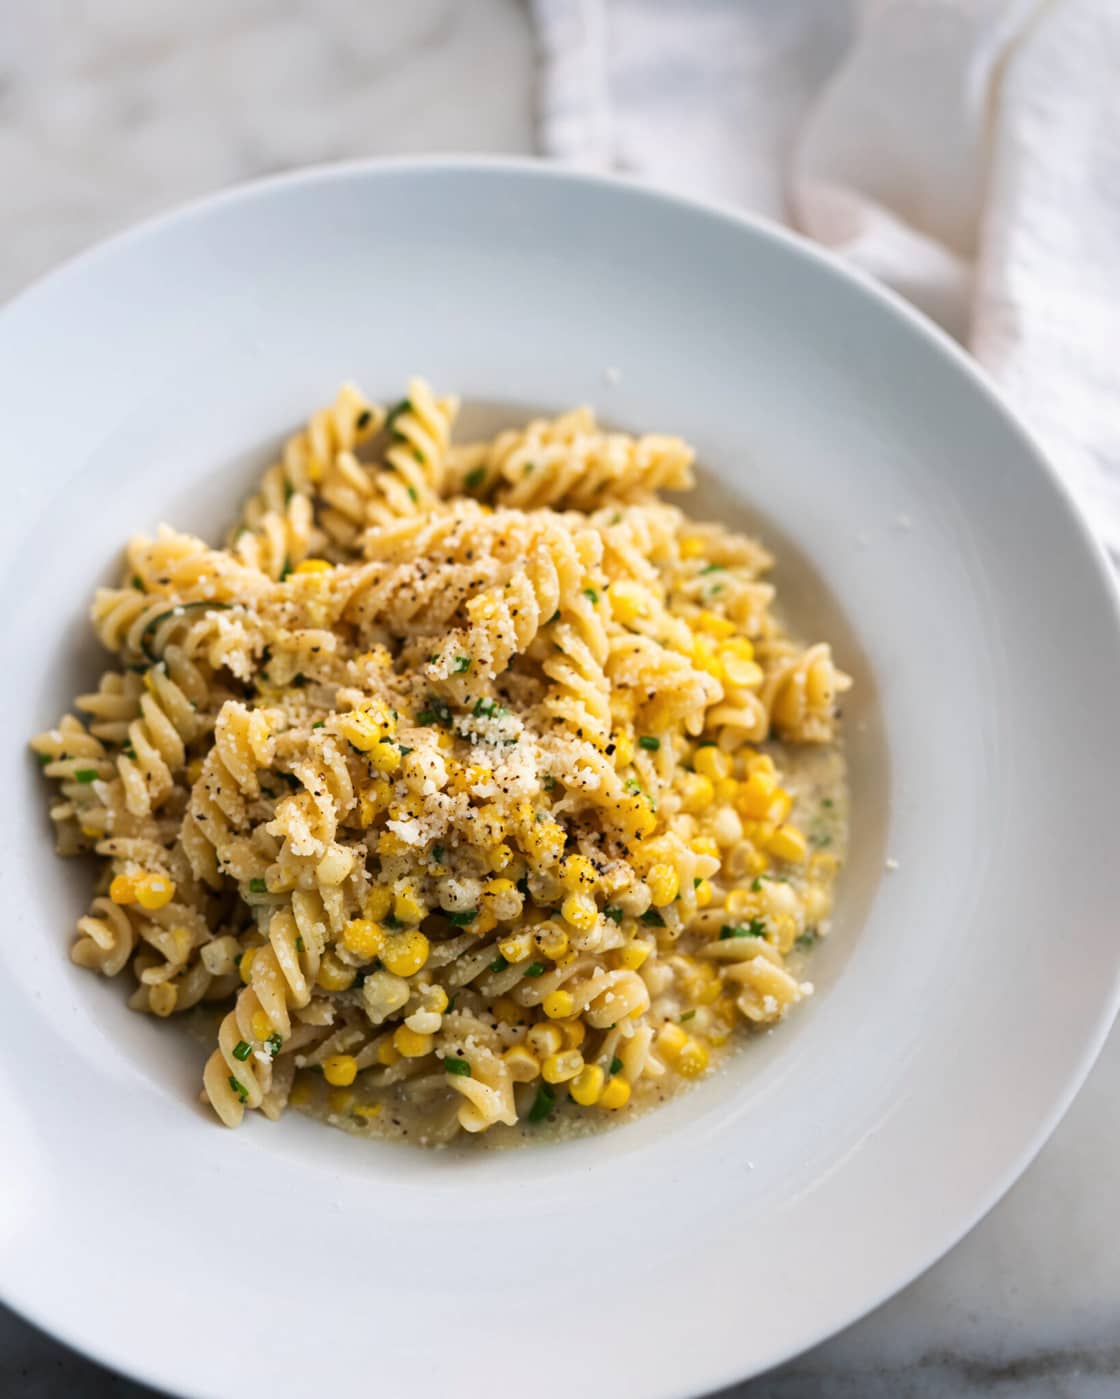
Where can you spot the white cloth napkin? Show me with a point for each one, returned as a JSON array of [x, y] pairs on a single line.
[[966, 152]]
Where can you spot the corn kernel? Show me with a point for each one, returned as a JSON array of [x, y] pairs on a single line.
[[787, 843], [615, 1095], [780, 807], [508, 1011], [714, 625], [692, 546], [739, 901], [761, 762], [385, 756], [312, 566], [194, 770], [631, 957], [671, 1039], [363, 938], [389, 843], [340, 1070], [407, 904], [300, 1094], [756, 794], [411, 1045], [340, 1101], [333, 974], [378, 902], [162, 998], [545, 1040], [712, 762], [664, 884], [522, 1063], [692, 1059], [558, 1005], [387, 1054], [123, 889], [517, 946], [405, 953], [154, 891], [629, 601], [580, 911], [245, 966], [578, 873], [559, 1068], [587, 1086], [575, 1032], [500, 856], [553, 942], [260, 1025], [703, 894], [697, 792], [704, 845], [623, 750]]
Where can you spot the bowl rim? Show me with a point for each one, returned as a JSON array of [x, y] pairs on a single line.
[[538, 169]]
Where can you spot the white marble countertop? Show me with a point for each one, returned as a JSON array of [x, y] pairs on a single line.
[[127, 107]]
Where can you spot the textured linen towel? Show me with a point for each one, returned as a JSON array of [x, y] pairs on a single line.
[[966, 152]]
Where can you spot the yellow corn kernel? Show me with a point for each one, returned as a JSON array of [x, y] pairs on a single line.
[[739, 901], [162, 998], [671, 1039], [194, 770], [553, 942], [312, 566], [824, 864], [615, 1095], [123, 889], [706, 657], [340, 1070], [559, 1068], [388, 1054], [508, 1011], [500, 857], [712, 762], [517, 946], [756, 794], [378, 902], [780, 807], [580, 911], [558, 1005], [245, 966], [630, 957], [704, 845], [154, 890], [389, 843], [575, 1032], [385, 756], [405, 953], [587, 1086], [727, 789], [300, 1094], [523, 1064], [260, 1025], [340, 1101], [578, 873], [714, 625], [333, 974], [409, 1044], [692, 1059], [407, 904], [363, 937], [629, 601], [692, 546], [697, 792], [545, 1040], [543, 842], [623, 750], [368, 1111], [761, 762], [787, 843], [485, 922], [498, 888], [703, 894], [664, 884]]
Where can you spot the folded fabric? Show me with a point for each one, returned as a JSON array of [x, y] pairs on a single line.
[[965, 152]]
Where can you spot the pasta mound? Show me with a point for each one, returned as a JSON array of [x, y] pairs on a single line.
[[456, 775]]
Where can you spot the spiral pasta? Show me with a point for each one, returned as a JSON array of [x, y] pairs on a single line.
[[478, 788]]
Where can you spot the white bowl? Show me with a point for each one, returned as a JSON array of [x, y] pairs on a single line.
[[962, 997]]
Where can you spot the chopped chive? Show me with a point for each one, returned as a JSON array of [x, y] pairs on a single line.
[[687, 1016], [392, 922], [404, 406], [461, 920], [318, 724], [138, 582], [450, 1006], [713, 568], [363, 419], [807, 938], [499, 964], [756, 928], [543, 1104], [457, 1066], [592, 594], [239, 1088], [535, 969], [474, 478], [462, 665], [616, 1066], [257, 886], [707, 743], [412, 494], [696, 882], [648, 741], [549, 782], [435, 711], [242, 1049], [44, 759], [827, 801], [653, 918], [554, 618], [274, 1042], [715, 590], [614, 914], [86, 775], [437, 854], [403, 749], [286, 570], [299, 944]]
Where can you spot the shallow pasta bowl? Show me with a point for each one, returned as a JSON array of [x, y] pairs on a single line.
[[973, 970]]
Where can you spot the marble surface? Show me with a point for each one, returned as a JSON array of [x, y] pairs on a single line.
[[120, 108]]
